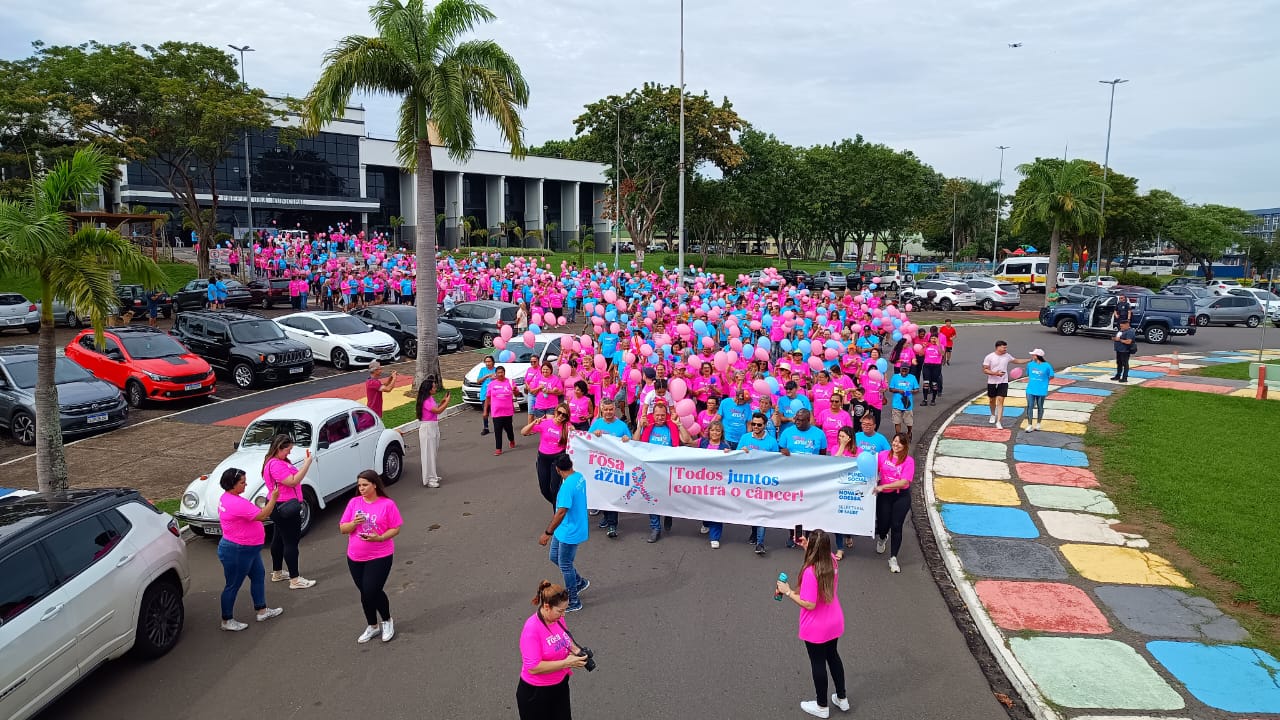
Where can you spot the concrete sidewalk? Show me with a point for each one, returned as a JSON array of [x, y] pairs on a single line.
[[1085, 619]]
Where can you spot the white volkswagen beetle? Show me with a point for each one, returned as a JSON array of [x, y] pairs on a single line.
[[345, 437]]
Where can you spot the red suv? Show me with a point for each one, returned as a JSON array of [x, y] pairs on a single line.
[[143, 362]]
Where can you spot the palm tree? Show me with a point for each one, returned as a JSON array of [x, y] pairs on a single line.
[[444, 82], [37, 241], [585, 239], [1062, 195], [395, 221]]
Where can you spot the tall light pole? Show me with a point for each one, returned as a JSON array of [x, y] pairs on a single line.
[[1106, 161], [248, 160], [995, 244], [680, 239], [617, 191], [954, 196]]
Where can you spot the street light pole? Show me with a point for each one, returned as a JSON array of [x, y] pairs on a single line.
[[953, 225], [617, 192], [248, 161], [680, 231], [995, 244], [1106, 162]]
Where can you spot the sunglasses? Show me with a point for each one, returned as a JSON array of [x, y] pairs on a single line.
[[757, 425], [562, 414]]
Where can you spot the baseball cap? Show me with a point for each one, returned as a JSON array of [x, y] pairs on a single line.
[[1038, 352]]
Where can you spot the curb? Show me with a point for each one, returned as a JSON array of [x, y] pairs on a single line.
[[413, 424], [1035, 702]]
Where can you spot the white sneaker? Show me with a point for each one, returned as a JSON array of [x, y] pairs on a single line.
[[842, 704], [279, 575], [893, 565], [300, 583], [715, 544], [1037, 426], [991, 419], [433, 483], [704, 529], [233, 625], [881, 544], [999, 426], [813, 708], [388, 630], [268, 613], [1031, 427], [369, 633]]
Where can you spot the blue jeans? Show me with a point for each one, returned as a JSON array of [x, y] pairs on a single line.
[[714, 530], [238, 562], [563, 554], [1035, 406], [655, 522], [759, 533]]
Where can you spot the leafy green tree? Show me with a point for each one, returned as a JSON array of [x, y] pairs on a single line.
[[1062, 196], [766, 187], [445, 82], [396, 222], [37, 241], [32, 139], [1205, 232]]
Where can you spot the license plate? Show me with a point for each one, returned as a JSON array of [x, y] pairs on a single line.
[[451, 346], [213, 530], [296, 370], [192, 386], [16, 321], [100, 417]]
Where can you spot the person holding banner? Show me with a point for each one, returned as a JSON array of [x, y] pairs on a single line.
[[609, 424], [714, 440], [845, 446], [821, 621], [893, 497], [869, 440], [760, 439], [659, 429], [831, 418], [553, 438], [568, 528]]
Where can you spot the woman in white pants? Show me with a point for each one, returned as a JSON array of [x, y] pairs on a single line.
[[429, 411]]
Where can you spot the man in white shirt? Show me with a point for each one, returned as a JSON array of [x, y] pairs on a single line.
[[996, 367]]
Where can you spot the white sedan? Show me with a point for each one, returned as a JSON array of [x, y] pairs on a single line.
[[1106, 281], [345, 437], [339, 338], [546, 346], [1221, 286]]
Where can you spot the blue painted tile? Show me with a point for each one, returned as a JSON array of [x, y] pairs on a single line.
[[1049, 455], [1228, 677], [1145, 375], [1069, 376], [1074, 390], [1009, 412], [988, 521]]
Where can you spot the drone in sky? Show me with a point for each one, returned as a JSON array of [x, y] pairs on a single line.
[[1015, 45]]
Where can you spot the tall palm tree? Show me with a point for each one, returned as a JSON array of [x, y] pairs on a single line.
[[444, 83], [1062, 195], [37, 241]]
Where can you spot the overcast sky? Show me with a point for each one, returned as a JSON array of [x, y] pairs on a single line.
[[1200, 116]]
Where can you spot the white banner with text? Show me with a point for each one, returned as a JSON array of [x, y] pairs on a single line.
[[744, 488]]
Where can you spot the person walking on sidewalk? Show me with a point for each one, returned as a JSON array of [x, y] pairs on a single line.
[[568, 529], [996, 367], [240, 549], [429, 411], [286, 519], [821, 621], [893, 497], [1038, 374], [1125, 342], [371, 521]]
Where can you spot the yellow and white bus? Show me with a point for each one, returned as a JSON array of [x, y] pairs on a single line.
[[1026, 271]]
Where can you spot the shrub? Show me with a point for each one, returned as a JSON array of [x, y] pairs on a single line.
[[1154, 282], [737, 262], [506, 252]]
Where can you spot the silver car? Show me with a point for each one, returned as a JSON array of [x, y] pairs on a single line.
[[1229, 310], [86, 404], [17, 312], [833, 279], [994, 295]]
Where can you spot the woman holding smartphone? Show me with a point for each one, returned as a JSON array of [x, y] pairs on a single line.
[[279, 474], [548, 656], [371, 522], [821, 620]]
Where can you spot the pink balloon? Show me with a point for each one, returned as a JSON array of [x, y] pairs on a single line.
[[762, 354], [500, 343], [876, 280], [610, 296], [735, 344], [529, 338], [910, 307], [645, 350], [731, 356], [918, 348], [562, 321], [875, 375], [614, 328], [694, 428], [815, 347], [586, 341], [634, 377], [1015, 373], [548, 318], [621, 305], [506, 332], [686, 407], [601, 363], [734, 331], [678, 389], [721, 361], [830, 354], [629, 357], [815, 362], [761, 387], [708, 343], [565, 372], [695, 365]]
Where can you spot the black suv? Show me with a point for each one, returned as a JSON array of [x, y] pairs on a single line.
[[245, 345], [795, 276], [133, 298], [195, 295]]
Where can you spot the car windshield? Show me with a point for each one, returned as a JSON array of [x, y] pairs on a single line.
[[344, 325], [523, 352], [252, 331], [406, 316], [259, 433], [64, 371], [151, 346], [12, 299], [1265, 295]]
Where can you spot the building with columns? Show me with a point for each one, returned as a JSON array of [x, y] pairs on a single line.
[[341, 175]]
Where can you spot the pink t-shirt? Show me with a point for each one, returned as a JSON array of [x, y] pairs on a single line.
[[825, 622], [277, 470], [831, 422], [546, 400], [891, 471], [579, 409], [932, 355], [429, 413], [380, 516], [502, 398], [540, 641], [871, 391], [238, 518], [373, 394], [549, 436]]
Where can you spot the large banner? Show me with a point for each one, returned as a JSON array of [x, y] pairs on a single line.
[[745, 488]]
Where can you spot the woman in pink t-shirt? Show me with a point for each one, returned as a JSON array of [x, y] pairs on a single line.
[[893, 496], [371, 522], [278, 472], [581, 406], [553, 440], [548, 656], [821, 620], [429, 410], [240, 549]]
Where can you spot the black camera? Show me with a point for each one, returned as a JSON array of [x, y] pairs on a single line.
[[590, 655]]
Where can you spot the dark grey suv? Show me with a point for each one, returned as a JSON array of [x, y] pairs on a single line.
[[85, 403], [478, 321]]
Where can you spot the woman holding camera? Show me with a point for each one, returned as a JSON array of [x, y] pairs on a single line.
[[821, 620], [548, 655], [280, 474], [371, 522]]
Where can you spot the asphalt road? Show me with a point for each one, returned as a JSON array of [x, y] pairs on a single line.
[[679, 629]]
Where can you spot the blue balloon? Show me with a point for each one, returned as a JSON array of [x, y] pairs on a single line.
[[773, 383], [506, 356], [786, 344], [897, 335], [869, 466], [882, 365], [897, 322], [653, 359], [765, 344], [748, 351], [535, 329], [874, 286], [700, 327]]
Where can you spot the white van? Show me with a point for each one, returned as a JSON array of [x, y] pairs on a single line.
[[1027, 272]]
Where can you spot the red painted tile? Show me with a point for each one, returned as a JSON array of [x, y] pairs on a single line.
[[1042, 606], [1040, 474], [1076, 397], [1189, 386], [971, 432]]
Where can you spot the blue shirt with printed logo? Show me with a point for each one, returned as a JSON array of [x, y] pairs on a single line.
[[803, 442]]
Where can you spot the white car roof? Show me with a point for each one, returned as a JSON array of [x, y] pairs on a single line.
[[317, 314], [310, 409]]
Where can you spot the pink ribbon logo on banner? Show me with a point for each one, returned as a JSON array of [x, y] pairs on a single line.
[[638, 477]]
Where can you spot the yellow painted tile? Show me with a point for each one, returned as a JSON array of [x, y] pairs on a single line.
[[975, 492], [1010, 401], [1061, 426], [1111, 564]]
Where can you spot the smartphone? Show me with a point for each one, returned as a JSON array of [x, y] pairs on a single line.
[[799, 532]]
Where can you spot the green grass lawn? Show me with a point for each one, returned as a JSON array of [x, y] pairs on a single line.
[[1207, 464], [398, 416], [1231, 371], [178, 274]]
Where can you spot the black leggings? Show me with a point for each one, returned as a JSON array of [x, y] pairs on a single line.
[[891, 512], [370, 577], [1122, 364], [544, 702], [932, 380], [823, 656], [548, 479], [284, 541], [500, 425]]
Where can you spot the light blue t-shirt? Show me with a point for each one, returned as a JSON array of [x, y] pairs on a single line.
[[660, 435], [766, 443], [803, 442], [734, 417], [617, 428], [873, 443], [1038, 374], [906, 382], [572, 530]]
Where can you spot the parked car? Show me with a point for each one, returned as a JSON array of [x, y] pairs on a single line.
[[994, 295], [479, 321], [145, 363], [344, 436], [1155, 317], [401, 323], [247, 347], [1130, 290], [1104, 281], [1229, 310], [339, 338], [1195, 292], [266, 293], [1080, 292], [953, 276], [1220, 286], [546, 346], [133, 298], [85, 403], [1267, 299], [1066, 279], [757, 277], [1275, 317], [88, 576], [829, 280], [795, 276], [893, 279], [947, 294], [17, 312], [195, 295], [1184, 280]]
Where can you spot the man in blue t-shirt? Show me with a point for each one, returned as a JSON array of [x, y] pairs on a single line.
[[868, 440], [758, 439], [792, 402], [734, 415], [609, 424], [568, 528], [903, 386], [801, 437]]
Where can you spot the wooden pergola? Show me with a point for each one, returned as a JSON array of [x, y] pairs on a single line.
[[124, 223]]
